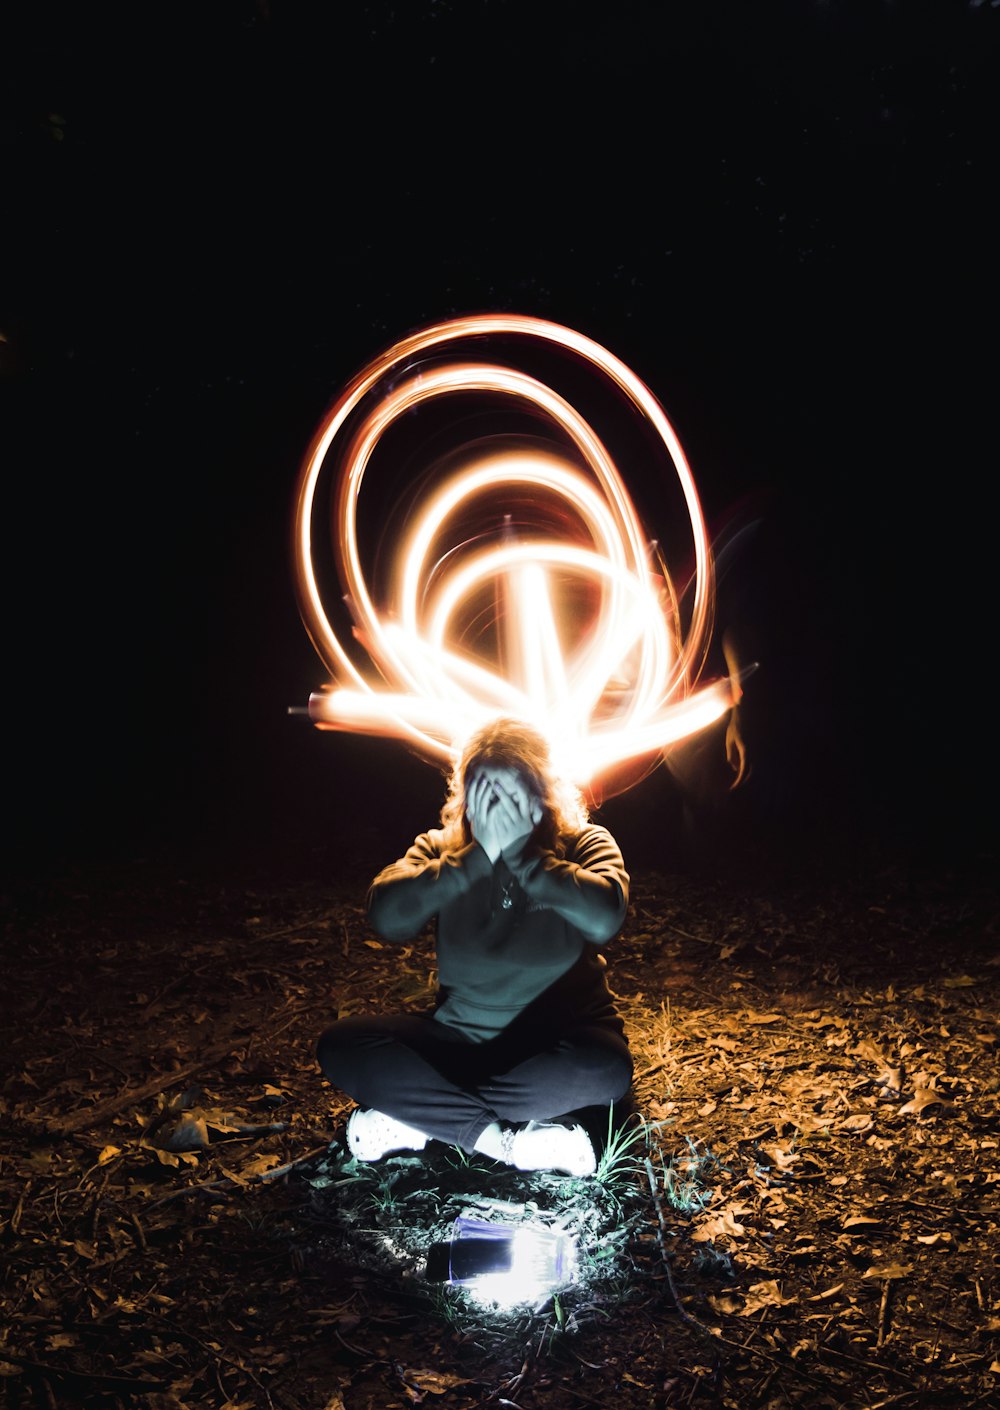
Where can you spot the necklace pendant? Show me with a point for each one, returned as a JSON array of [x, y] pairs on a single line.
[[506, 902]]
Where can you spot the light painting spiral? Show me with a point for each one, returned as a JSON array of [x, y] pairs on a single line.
[[564, 615]]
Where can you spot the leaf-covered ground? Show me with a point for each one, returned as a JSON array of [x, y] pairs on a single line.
[[807, 1214]]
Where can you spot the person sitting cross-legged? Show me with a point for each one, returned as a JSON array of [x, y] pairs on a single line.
[[524, 891]]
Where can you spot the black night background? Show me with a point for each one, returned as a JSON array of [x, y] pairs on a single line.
[[779, 215]]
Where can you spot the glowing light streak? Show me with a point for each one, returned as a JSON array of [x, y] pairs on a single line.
[[609, 681]]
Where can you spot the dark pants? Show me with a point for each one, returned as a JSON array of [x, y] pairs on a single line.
[[428, 1075]]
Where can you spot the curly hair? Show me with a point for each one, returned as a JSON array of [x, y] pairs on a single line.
[[511, 743]]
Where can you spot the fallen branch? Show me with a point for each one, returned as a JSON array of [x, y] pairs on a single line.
[[95, 1115], [15, 1218], [109, 1380], [324, 917], [175, 983], [214, 1352], [868, 1365], [263, 1178], [784, 1363], [661, 1230]]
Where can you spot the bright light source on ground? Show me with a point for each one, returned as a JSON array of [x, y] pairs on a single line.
[[503, 1264]]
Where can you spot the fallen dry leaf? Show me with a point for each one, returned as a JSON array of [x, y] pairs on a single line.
[[726, 1302], [190, 1133], [766, 1294], [434, 1382], [724, 1223], [260, 1165], [168, 1158], [922, 1098]]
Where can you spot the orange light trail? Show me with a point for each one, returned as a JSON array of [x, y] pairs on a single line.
[[612, 688]]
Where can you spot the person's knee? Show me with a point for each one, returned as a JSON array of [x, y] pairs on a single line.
[[619, 1070], [606, 1071], [613, 1068], [352, 1046], [334, 1053], [326, 1049]]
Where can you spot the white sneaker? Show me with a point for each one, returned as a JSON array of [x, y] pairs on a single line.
[[371, 1135], [548, 1145]]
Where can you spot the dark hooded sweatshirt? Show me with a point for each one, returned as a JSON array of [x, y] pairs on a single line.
[[518, 942]]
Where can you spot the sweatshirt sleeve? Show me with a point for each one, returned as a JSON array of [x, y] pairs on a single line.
[[407, 893], [588, 887]]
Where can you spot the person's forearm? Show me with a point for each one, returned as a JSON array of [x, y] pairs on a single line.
[[590, 892], [406, 894]]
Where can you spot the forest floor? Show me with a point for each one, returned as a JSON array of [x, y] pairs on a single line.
[[805, 1212]]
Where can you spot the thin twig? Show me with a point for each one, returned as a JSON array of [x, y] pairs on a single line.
[[110, 1380], [661, 1231], [217, 1355], [783, 1363], [175, 983], [97, 1057], [270, 1128], [263, 1178], [319, 919], [95, 1115], [688, 936], [280, 1170], [95, 1218], [139, 1231], [868, 1365], [15, 1218]]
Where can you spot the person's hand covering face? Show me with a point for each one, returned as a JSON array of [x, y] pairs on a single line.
[[502, 808]]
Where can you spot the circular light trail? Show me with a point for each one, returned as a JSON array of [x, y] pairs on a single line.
[[570, 621]]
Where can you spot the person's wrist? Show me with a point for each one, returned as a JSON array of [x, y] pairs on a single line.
[[490, 847]]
